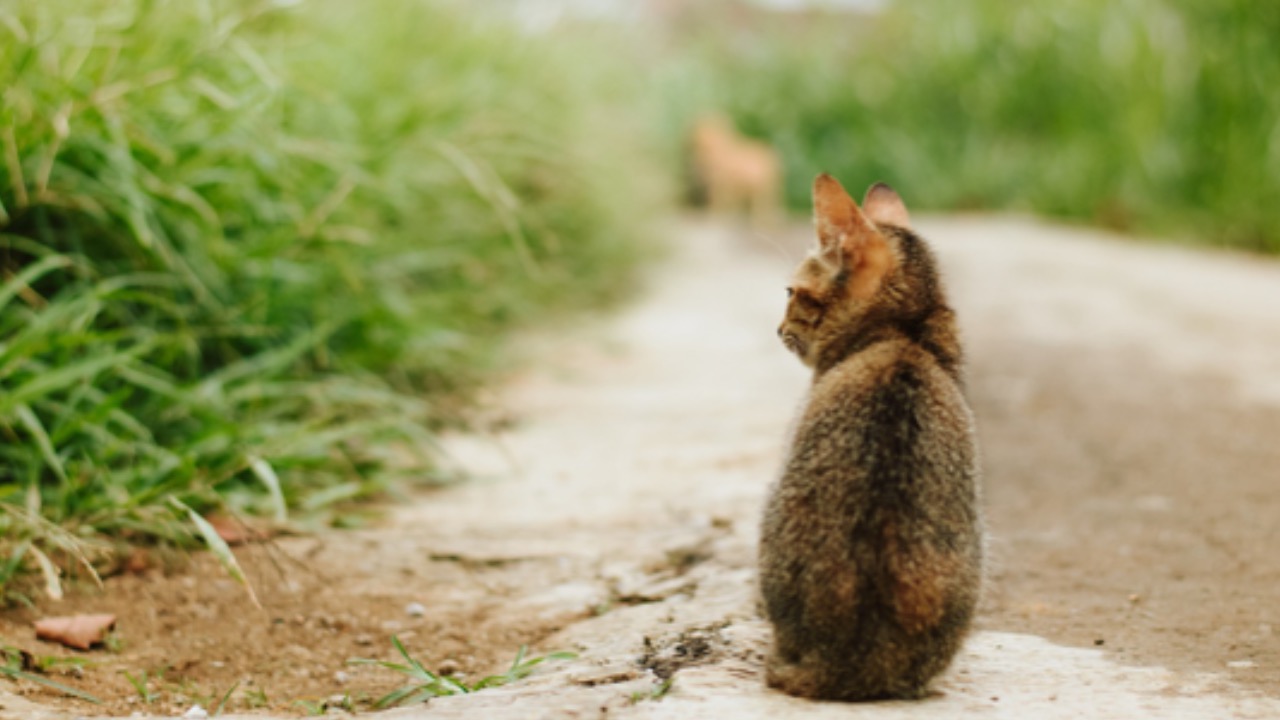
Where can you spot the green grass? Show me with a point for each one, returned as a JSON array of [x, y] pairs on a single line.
[[253, 250], [657, 692], [18, 664], [1151, 115], [140, 685], [425, 684]]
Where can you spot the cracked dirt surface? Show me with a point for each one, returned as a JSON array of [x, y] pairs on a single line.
[[1129, 406]]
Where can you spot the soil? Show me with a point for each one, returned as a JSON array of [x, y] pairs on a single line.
[[1129, 406], [195, 634]]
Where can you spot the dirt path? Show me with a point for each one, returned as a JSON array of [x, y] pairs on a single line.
[[1129, 402]]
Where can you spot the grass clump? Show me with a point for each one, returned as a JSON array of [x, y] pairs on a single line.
[[425, 684], [1156, 115], [246, 244]]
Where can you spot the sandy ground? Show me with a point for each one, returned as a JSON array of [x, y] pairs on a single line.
[[1129, 404]]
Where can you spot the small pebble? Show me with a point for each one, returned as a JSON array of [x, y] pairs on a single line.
[[449, 666], [196, 713], [341, 677], [414, 609], [364, 639], [1099, 642], [1241, 664]]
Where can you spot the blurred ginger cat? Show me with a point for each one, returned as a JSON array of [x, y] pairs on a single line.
[[871, 547], [736, 172]]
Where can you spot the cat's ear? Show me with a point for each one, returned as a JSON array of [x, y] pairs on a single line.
[[836, 215], [883, 205], [847, 238]]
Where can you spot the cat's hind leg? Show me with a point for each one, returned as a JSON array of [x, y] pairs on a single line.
[[793, 678]]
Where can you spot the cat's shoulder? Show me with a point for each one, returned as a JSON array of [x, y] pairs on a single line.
[[887, 364], [864, 371]]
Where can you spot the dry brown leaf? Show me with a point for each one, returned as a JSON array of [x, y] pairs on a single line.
[[234, 531], [77, 631]]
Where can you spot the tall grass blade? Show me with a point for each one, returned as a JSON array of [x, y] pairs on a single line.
[[63, 377], [22, 280], [219, 548], [222, 703], [264, 472], [52, 585], [65, 689], [28, 420]]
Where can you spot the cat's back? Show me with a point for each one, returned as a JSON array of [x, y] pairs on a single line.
[[884, 447], [893, 396]]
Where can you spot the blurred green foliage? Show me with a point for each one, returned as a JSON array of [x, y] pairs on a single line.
[[1153, 115], [249, 244]]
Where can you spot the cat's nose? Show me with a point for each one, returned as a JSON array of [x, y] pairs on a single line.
[[779, 331]]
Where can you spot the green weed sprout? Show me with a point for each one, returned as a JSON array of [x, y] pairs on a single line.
[[426, 684]]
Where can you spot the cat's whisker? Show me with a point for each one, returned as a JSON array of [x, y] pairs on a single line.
[[771, 240]]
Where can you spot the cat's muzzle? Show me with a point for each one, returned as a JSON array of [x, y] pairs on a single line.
[[792, 342]]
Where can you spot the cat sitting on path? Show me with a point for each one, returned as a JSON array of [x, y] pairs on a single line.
[[871, 546]]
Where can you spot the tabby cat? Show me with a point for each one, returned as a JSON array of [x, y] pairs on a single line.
[[872, 543]]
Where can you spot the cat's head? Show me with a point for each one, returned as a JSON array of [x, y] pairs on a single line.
[[867, 270]]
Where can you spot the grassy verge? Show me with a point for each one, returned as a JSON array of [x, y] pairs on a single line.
[[248, 244], [1156, 115]]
